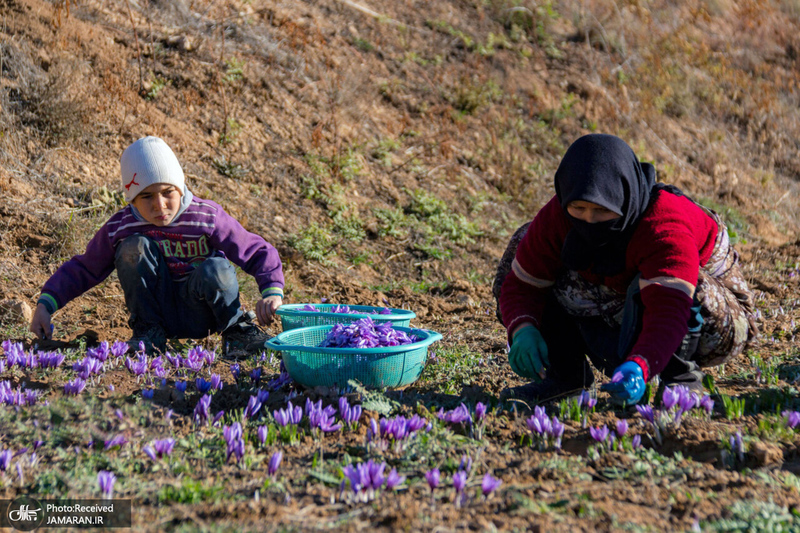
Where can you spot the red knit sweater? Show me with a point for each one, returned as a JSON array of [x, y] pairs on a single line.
[[674, 239]]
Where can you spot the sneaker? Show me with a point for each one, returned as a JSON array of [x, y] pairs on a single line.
[[154, 339], [243, 338], [547, 390]]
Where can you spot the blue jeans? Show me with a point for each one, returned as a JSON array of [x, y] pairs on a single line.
[[205, 302]]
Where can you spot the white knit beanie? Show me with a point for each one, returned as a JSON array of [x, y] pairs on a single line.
[[147, 161]]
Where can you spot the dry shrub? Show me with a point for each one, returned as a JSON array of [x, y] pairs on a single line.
[[47, 99]]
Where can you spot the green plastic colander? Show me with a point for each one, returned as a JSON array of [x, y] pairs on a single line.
[[292, 317], [386, 367]]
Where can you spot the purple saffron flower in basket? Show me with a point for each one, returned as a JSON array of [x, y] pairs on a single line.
[[263, 432], [118, 440], [432, 477], [489, 484], [74, 387], [459, 481], [385, 311], [106, 480], [393, 479], [309, 308], [647, 413], [253, 406], [202, 411], [617, 377], [600, 434], [622, 427], [274, 463]]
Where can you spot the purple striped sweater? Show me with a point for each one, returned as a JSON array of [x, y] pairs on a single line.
[[203, 230]]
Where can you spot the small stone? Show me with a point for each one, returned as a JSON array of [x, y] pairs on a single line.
[[16, 310], [767, 453]]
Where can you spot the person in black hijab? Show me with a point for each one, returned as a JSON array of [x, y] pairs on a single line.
[[624, 270]]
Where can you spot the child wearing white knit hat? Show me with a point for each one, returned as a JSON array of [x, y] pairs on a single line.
[[173, 253]]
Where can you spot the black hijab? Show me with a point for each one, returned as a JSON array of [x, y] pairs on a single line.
[[602, 169]]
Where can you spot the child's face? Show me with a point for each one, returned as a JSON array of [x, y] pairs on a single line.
[[590, 212], [158, 203]]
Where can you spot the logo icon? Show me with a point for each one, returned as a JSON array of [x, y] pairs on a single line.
[[133, 182], [25, 514]]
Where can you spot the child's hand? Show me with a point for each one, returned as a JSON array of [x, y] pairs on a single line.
[[266, 307], [40, 323]]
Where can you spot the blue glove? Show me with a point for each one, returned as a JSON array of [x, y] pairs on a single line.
[[528, 355], [627, 385]]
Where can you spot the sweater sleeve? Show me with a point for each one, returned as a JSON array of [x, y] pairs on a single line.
[[80, 273], [251, 252], [534, 269], [666, 249]]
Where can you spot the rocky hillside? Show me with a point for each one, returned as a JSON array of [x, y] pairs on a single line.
[[388, 148]]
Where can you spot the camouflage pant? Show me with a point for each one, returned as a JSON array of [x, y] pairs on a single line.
[[725, 303]]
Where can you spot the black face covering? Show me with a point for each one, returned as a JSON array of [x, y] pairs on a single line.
[[602, 169]]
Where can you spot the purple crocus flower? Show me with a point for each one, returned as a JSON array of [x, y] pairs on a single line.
[[106, 480], [262, 395], [792, 418], [119, 348], [263, 432], [466, 463], [707, 404], [150, 452], [253, 406], [235, 371], [586, 400], [255, 375], [274, 463], [74, 387], [164, 447], [217, 418], [118, 440], [234, 440], [138, 366], [281, 417], [5, 460], [480, 411], [181, 386], [393, 479], [647, 413], [489, 484], [320, 419], [202, 385], [669, 398], [202, 411], [48, 360], [148, 394], [459, 415], [636, 442], [101, 352], [622, 427], [600, 434], [459, 481], [432, 476]]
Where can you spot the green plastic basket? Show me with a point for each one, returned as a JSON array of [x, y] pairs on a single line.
[[292, 317], [390, 366]]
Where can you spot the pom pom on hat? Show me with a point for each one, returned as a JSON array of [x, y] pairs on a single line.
[[147, 161]]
